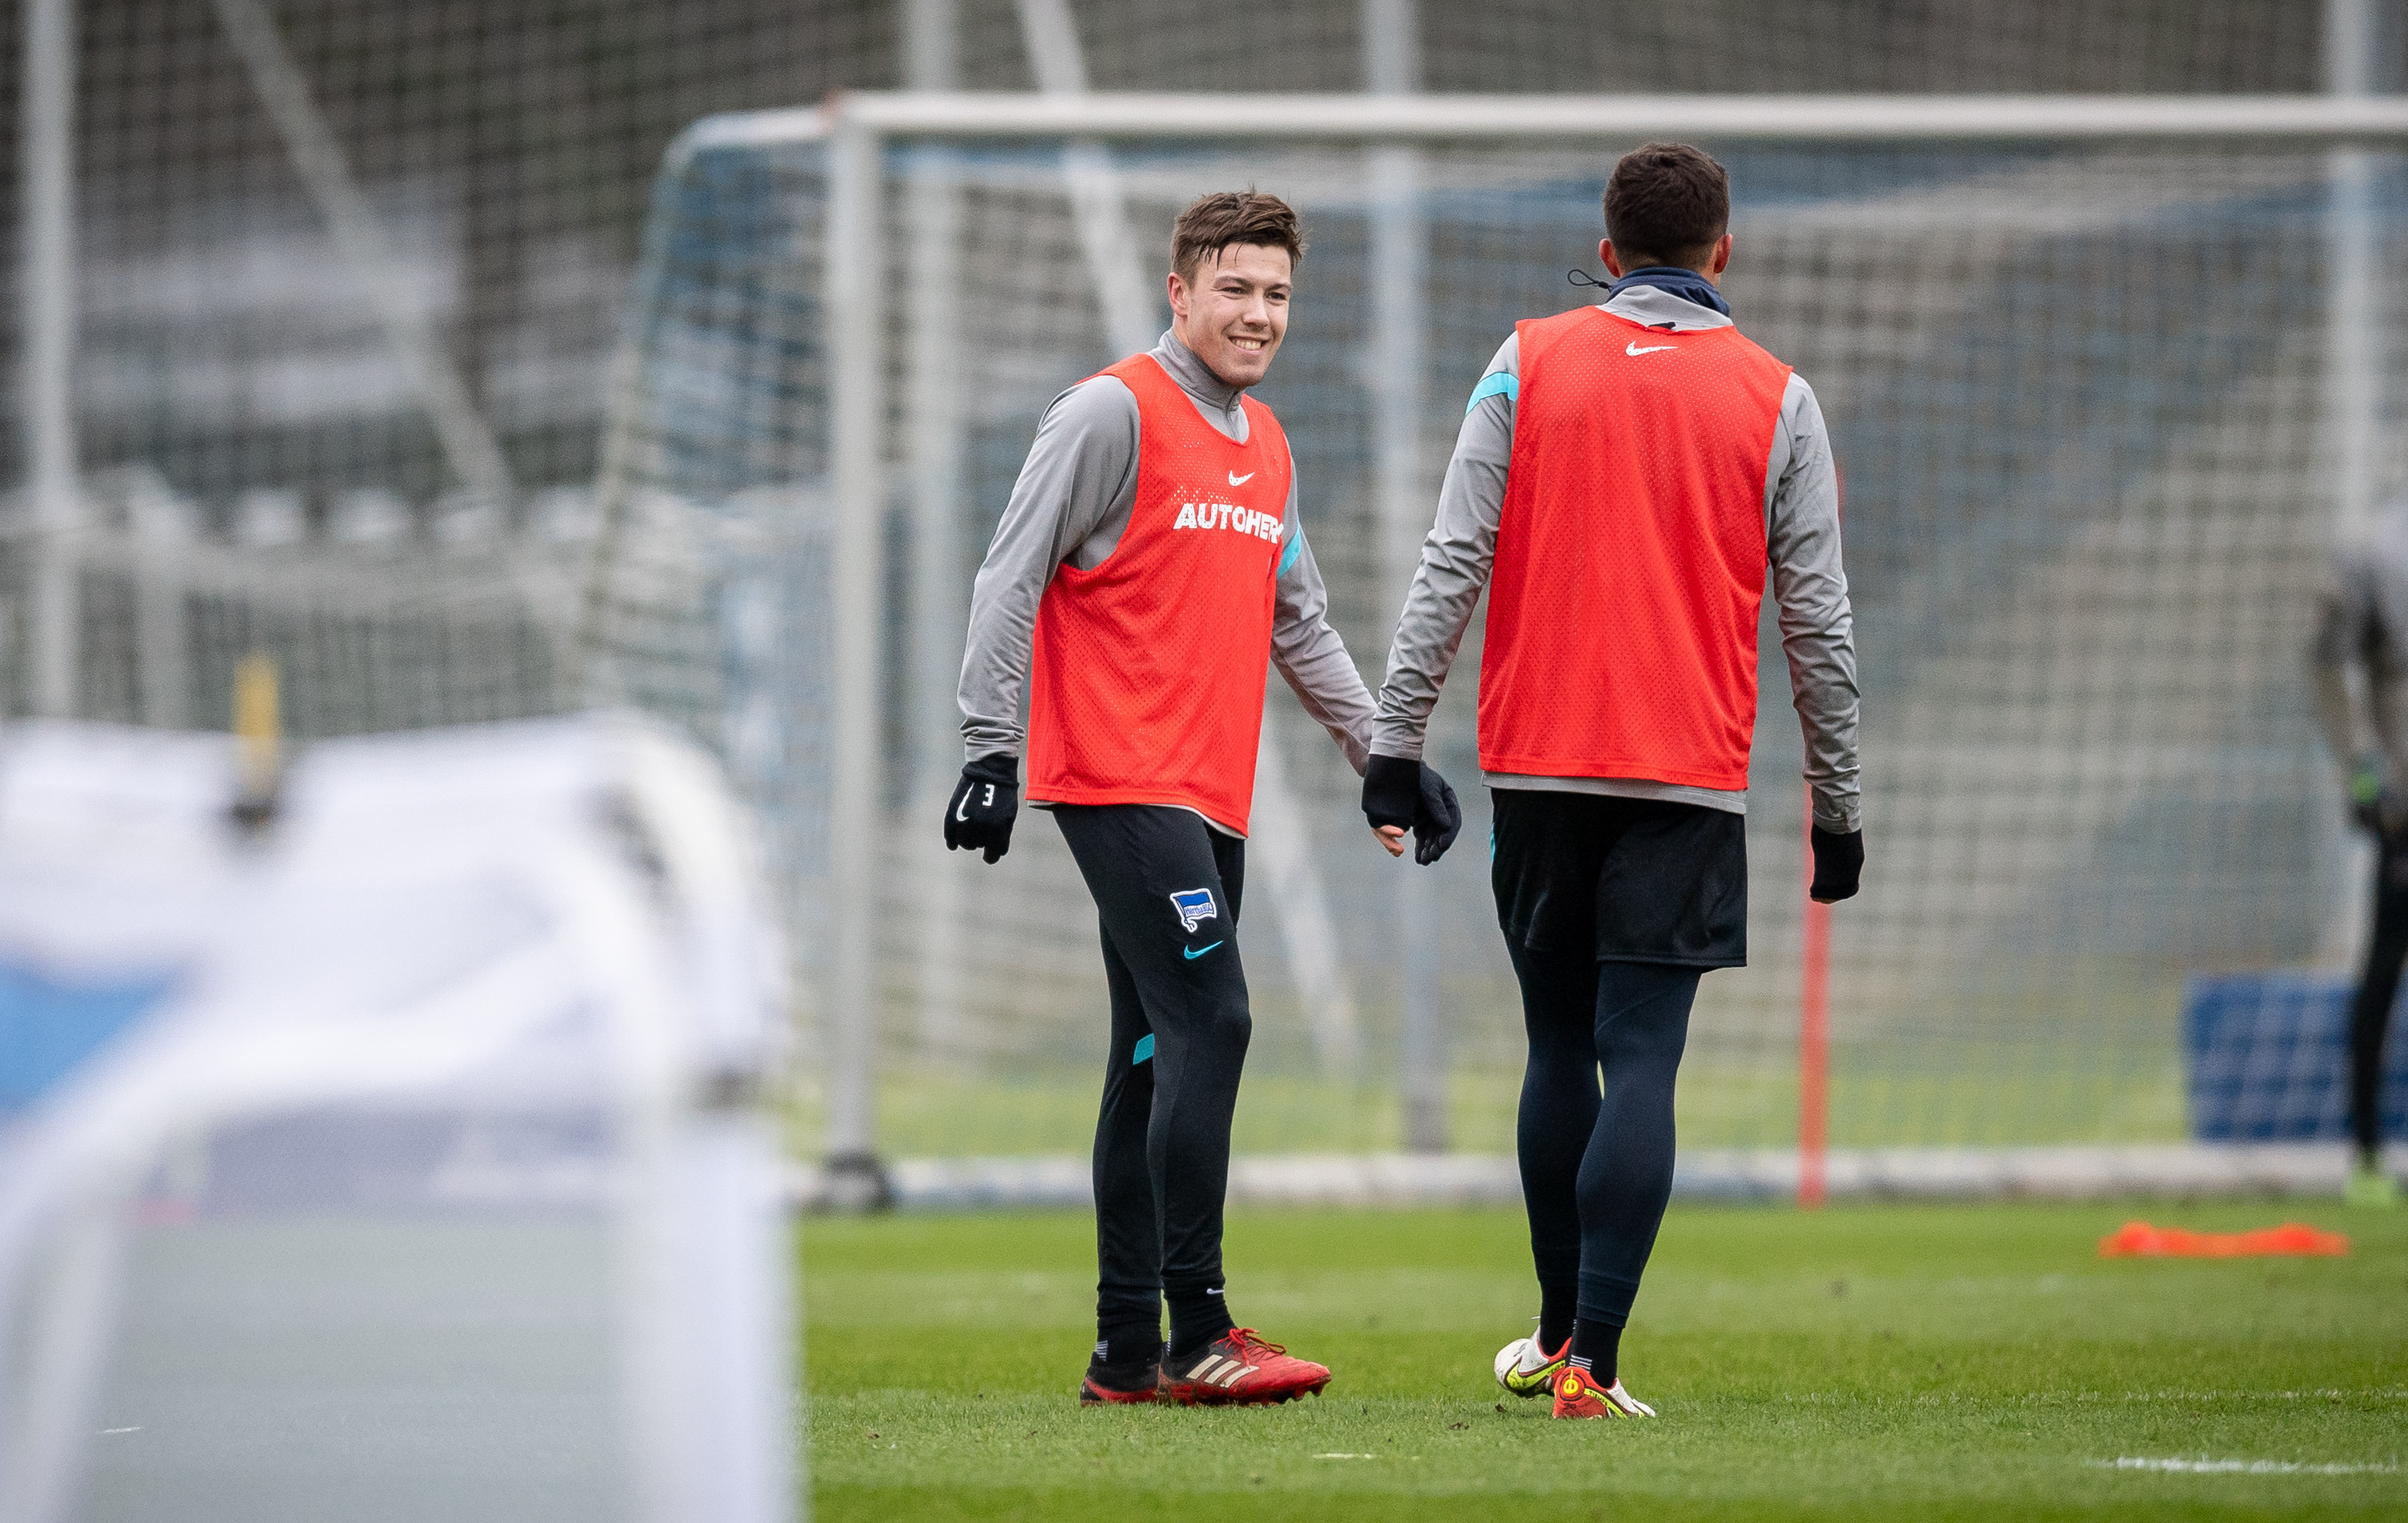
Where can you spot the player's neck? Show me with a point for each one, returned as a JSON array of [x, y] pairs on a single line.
[[1194, 376]]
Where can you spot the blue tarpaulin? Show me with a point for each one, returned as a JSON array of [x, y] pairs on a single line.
[[2268, 1058]]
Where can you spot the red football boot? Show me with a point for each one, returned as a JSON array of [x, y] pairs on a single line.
[[1578, 1395], [1240, 1368]]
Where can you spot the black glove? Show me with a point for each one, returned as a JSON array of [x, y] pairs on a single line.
[[985, 804], [1440, 819], [1406, 793], [1839, 862]]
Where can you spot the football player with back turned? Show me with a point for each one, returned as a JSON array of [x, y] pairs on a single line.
[[1148, 569], [1626, 475]]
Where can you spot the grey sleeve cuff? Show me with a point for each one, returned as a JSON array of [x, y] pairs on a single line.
[[1456, 561], [1818, 627], [1080, 470]]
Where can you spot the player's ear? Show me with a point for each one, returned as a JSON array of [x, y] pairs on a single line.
[[1605, 252], [1722, 255], [1178, 289]]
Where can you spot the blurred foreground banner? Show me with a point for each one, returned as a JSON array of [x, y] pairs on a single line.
[[397, 1157]]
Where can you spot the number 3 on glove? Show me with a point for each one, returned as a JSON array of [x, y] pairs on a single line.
[[985, 804]]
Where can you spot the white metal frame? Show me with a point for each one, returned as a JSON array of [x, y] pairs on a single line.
[[681, 971], [2353, 409], [857, 126], [1501, 119], [46, 232], [1399, 268]]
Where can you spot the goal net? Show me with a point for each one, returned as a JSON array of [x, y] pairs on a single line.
[[2098, 405]]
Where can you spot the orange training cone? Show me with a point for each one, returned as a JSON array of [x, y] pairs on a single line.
[[2139, 1240]]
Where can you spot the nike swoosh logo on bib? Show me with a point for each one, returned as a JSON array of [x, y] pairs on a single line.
[[1633, 350], [1235, 479]]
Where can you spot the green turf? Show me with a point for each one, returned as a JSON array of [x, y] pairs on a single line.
[[1906, 1362], [1989, 1098]]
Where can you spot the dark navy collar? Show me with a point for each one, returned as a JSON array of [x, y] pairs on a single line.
[[1679, 281]]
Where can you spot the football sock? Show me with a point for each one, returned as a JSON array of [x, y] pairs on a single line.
[[1556, 1309], [1198, 1318], [1595, 1349], [1132, 1343]]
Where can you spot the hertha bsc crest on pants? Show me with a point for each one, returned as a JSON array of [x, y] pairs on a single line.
[[1194, 904]]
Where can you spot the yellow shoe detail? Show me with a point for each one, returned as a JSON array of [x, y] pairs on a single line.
[[1524, 1368]]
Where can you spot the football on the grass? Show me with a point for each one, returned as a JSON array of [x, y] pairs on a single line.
[[1508, 1357]]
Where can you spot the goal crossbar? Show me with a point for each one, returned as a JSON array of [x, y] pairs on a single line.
[[1463, 119]]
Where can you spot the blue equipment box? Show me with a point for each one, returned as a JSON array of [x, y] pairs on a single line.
[[2268, 1058]]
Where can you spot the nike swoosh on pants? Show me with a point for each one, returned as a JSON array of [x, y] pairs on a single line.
[[1192, 953]]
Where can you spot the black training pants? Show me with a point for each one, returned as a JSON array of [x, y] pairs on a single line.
[[1166, 887], [2370, 1014]]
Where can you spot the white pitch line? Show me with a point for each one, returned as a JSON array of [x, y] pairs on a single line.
[[1345, 1457], [2240, 1467]]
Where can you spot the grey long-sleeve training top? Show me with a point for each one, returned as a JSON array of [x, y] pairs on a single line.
[[1802, 514], [1072, 501], [2362, 625]]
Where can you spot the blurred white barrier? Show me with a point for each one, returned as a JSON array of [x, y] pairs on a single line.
[[398, 1159], [1493, 1179]]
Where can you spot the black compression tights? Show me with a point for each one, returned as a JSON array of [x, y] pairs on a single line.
[[1596, 1167], [1166, 889], [2370, 1014]]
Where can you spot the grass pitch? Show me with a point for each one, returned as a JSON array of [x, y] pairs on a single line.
[[1860, 1362]]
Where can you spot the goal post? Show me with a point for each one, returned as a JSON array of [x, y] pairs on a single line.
[[2092, 461]]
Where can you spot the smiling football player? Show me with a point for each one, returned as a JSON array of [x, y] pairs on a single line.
[[1150, 567]]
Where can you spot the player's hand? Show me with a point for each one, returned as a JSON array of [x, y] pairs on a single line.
[[985, 804], [1838, 863], [1392, 799], [1397, 794], [1439, 820]]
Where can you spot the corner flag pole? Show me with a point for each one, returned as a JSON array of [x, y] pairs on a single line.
[[1814, 1033]]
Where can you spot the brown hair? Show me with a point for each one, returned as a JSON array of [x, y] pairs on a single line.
[[1666, 204], [1226, 217]]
